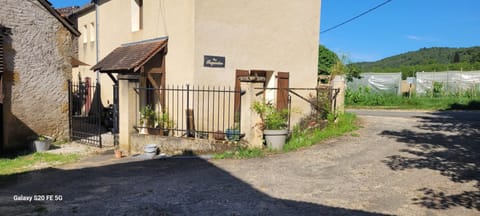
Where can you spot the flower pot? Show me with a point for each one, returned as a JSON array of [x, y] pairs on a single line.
[[150, 150], [233, 134], [143, 128], [41, 145], [275, 138], [118, 154], [165, 131]]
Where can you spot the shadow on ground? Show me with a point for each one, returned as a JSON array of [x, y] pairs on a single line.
[[150, 187], [450, 145], [472, 105]]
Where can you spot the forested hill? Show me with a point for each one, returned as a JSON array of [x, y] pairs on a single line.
[[427, 59]]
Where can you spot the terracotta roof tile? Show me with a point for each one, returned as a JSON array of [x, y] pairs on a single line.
[[130, 57]]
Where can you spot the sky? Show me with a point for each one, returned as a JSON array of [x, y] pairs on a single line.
[[397, 27], [67, 3]]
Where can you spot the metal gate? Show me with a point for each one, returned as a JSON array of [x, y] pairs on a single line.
[[86, 111]]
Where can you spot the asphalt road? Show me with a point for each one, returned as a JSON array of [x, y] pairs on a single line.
[[452, 115], [400, 163]]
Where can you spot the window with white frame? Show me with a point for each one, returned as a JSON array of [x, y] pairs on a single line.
[[136, 12], [85, 34], [92, 32]]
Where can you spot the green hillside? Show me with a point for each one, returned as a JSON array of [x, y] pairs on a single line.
[[426, 59]]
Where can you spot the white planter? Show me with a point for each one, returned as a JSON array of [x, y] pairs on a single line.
[[143, 129], [275, 138], [41, 145], [150, 150]]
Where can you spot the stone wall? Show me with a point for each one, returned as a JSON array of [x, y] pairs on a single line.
[[179, 145], [38, 54]]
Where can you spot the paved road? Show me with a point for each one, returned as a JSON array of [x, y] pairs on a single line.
[[398, 163]]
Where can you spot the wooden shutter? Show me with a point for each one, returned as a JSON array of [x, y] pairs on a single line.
[[282, 92]]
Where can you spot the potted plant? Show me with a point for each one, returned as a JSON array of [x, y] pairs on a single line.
[[274, 124], [233, 133], [42, 143], [147, 119], [165, 123]]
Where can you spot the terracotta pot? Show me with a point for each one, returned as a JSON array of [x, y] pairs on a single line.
[[118, 154]]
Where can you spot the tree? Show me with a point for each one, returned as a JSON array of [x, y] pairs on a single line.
[[345, 67], [326, 60]]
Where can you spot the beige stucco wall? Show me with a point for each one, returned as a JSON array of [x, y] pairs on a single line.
[[172, 18], [272, 35], [279, 36]]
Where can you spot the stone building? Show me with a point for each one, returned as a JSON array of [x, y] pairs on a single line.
[[37, 53]]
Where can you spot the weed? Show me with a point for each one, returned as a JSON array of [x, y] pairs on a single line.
[[241, 152]]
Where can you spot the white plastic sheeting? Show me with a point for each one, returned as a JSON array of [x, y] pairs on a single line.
[[378, 82], [452, 81]]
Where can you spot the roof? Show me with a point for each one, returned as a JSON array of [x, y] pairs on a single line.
[[56, 14], [130, 57], [86, 8], [67, 11], [75, 62]]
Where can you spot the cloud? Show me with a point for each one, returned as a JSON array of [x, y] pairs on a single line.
[[422, 38], [414, 37]]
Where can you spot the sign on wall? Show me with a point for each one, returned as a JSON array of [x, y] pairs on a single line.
[[214, 61]]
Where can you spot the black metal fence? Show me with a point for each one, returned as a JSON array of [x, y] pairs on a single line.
[[321, 101], [85, 113], [190, 111]]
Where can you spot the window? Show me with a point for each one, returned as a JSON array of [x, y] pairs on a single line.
[[92, 32], [137, 13], [85, 34]]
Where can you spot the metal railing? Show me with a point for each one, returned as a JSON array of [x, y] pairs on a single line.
[[190, 111]]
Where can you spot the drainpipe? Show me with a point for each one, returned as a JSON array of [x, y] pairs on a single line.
[[97, 37]]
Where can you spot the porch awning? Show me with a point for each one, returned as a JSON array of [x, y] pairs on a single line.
[[130, 57], [75, 62]]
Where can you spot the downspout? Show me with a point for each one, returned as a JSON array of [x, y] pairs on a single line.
[[98, 38]]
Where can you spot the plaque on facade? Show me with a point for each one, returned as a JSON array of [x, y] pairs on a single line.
[[214, 61]]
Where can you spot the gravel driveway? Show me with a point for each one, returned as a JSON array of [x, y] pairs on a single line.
[[399, 163]]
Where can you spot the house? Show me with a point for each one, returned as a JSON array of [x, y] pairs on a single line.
[[207, 42], [36, 43]]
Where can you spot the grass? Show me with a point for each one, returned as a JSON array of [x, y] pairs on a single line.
[[241, 153], [299, 139], [33, 161], [345, 123], [366, 99]]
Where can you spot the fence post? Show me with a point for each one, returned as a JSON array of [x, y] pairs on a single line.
[[250, 120], [339, 83], [70, 111], [127, 111], [115, 115]]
